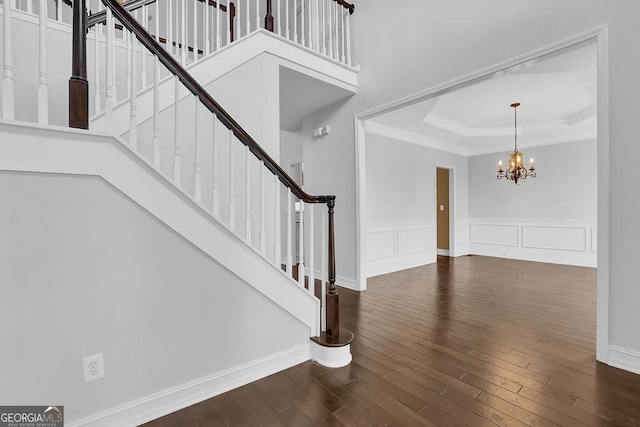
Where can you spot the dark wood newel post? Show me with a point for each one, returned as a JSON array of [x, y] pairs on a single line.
[[333, 310], [78, 84], [268, 19]]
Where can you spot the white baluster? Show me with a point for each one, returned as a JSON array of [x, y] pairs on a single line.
[[218, 36], [96, 57], [302, 26], [263, 239], [143, 56], [169, 27], [343, 17], [248, 16], [238, 21], [323, 273], [156, 112], [114, 84], [157, 21], [207, 43], [215, 183], [335, 29], [247, 203], [156, 95], [323, 32], [108, 84], [59, 10], [177, 164], [195, 30], [348, 28], [277, 18], [295, 20], [183, 33], [29, 7], [133, 99], [330, 19], [128, 37], [277, 250], [286, 18], [310, 25], [312, 278], [301, 246], [198, 177], [43, 92], [289, 259], [232, 201], [257, 3], [8, 97]]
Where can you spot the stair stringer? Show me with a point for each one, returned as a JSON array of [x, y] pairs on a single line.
[[28, 147]]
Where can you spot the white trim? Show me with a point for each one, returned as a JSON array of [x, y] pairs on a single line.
[[602, 290], [413, 138], [601, 35], [165, 402], [425, 141], [331, 357], [442, 252], [558, 241], [623, 358], [361, 205]]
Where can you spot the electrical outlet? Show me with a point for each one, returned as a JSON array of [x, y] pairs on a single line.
[[93, 367]]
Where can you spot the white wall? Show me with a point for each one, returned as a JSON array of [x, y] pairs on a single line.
[[84, 270], [401, 199], [552, 218]]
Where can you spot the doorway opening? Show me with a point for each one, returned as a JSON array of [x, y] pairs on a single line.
[[444, 198]]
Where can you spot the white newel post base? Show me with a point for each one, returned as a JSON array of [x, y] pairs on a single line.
[[332, 355]]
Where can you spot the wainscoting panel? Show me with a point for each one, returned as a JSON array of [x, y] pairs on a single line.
[[397, 247], [555, 238], [560, 241], [415, 240], [494, 234], [381, 244]]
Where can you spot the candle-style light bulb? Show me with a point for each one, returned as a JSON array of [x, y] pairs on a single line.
[[531, 165], [500, 166]]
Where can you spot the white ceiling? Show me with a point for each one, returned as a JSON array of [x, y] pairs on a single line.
[[558, 104]]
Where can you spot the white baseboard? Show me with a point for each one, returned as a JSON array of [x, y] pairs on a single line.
[[622, 358], [443, 252], [174, 399]]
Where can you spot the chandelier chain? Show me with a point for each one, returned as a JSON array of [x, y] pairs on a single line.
[[515, 126]]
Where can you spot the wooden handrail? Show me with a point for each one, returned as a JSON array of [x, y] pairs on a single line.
[[196, 89], [101, 17], [351, 7]]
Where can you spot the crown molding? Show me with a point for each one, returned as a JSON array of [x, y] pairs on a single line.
[[413, 138]]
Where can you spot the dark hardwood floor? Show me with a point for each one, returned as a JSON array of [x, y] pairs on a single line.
[[468, 341]]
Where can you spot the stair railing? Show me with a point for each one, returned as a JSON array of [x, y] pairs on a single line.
[[256, 161], [189, 32]]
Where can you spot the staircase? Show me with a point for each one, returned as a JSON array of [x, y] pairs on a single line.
[[151, 132]]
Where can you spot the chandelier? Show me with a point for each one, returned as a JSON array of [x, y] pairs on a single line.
[[516, 168]]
